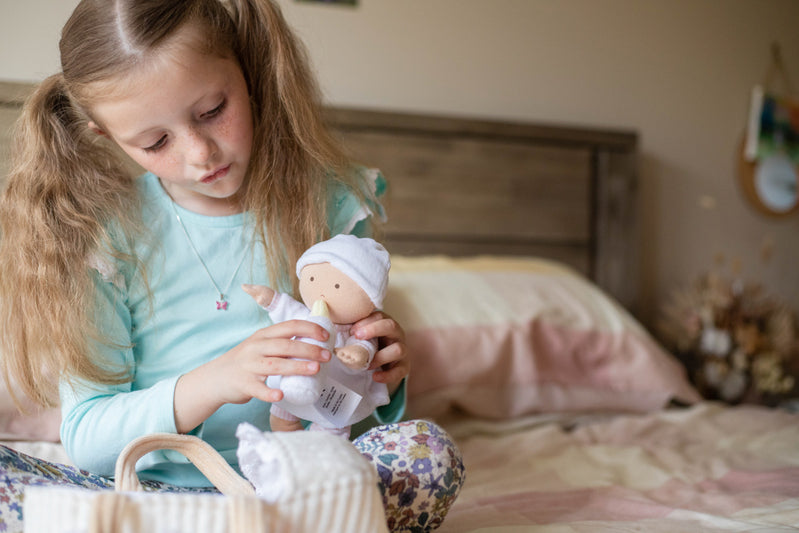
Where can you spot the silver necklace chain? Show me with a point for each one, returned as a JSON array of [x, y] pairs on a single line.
[[222, 303]]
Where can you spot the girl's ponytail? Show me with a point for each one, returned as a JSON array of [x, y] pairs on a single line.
[[62, 191]]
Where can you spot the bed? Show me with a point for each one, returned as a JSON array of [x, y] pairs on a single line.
[[514, 272]]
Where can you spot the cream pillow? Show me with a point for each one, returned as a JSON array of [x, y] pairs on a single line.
[[503, 337]]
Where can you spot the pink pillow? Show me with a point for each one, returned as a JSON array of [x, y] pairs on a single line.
[[503, 337]]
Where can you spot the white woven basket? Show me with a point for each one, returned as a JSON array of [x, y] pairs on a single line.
[[330, 487]]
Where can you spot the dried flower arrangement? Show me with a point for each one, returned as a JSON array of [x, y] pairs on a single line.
[[737, 343]]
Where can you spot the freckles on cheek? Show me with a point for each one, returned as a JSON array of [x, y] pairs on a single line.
[[236, 128], [223, 126], [166, 167]]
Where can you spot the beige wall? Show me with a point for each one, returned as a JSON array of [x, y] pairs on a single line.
[[677, 71]]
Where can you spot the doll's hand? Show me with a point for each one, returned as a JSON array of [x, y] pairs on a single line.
[[391, 359], [354, 357], [262, 294], [240, 374]]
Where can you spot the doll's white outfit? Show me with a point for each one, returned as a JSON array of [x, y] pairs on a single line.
[[331, 374]]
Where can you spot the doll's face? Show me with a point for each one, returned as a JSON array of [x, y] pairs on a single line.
[[345, 299]]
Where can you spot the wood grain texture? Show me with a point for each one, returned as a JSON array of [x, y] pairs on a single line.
[[464, 187]]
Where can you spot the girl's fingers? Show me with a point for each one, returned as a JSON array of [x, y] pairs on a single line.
[[378, 325], [262, 392], [374, 317], [392, 374], [397, 368], [279, 366], [288, 348], [391, 362], [271, 351], [293, 328], [390, 354], [256, 386]]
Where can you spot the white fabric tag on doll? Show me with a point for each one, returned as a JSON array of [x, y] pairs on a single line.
[[337, 402]]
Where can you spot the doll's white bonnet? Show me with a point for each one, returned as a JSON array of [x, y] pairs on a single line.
[[363, 260]]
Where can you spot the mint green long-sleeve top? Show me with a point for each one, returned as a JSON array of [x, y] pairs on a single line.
[[178, 328]]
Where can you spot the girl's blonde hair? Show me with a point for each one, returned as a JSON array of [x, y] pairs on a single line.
[[67, 187]]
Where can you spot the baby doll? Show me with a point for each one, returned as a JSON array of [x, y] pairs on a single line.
[[343, 280]]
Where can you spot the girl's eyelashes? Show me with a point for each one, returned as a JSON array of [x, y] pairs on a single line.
[[157, 146], [215, 111]]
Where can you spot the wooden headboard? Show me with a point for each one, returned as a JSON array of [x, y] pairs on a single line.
[[466, 187]]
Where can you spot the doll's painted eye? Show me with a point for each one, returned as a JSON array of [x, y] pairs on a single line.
[[311, 278], [337, 285]]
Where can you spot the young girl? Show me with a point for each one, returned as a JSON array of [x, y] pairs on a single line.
[[126, 293]]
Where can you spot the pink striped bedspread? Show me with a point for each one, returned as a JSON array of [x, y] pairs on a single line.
[[708, 468]]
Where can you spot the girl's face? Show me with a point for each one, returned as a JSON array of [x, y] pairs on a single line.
[[184, 116]]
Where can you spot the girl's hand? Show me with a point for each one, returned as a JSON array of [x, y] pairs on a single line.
[[239, 375], [392, 356]]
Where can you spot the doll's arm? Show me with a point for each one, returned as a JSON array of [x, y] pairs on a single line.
[[262, 294]]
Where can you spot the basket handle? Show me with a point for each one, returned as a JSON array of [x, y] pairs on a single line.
[[196, 450]]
